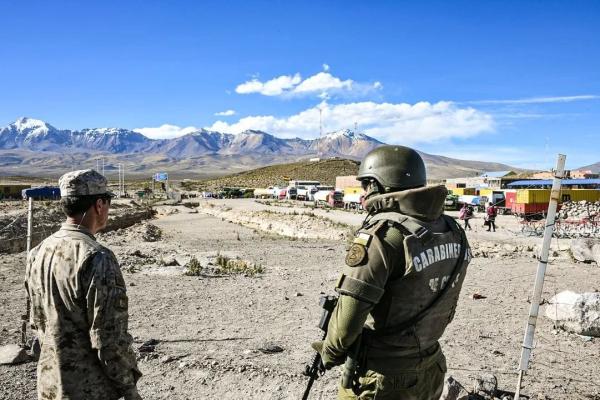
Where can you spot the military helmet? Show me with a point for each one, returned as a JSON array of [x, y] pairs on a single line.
[[394, 167]]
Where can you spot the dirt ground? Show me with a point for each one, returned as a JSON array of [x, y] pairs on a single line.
[[211, 328]]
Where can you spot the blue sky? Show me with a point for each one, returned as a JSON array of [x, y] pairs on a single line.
[[508, 81]]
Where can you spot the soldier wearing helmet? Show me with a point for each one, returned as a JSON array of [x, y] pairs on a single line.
[[79, 302], [400, 286]]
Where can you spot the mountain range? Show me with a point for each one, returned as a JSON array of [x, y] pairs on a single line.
[[36, 135], [33, 147]]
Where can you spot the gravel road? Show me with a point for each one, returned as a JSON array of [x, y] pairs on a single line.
[[211, 329]]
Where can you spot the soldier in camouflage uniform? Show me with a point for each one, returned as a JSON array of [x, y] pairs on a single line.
[[79, 302], [400, 286]]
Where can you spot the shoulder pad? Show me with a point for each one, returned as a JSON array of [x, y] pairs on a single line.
[[372, 227], [357, 253], [366, 233], [409, 224]]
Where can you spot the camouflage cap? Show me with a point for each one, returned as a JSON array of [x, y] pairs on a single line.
[[84, 182]]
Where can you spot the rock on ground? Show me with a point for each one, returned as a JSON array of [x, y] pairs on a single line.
[[586, 250], [13, 354], [575, 312], [453, 390]]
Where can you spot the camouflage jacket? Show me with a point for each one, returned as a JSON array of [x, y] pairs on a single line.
[[79, 309]]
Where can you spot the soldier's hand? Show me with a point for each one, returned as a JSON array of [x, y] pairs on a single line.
[[329, 360], [317, 346]]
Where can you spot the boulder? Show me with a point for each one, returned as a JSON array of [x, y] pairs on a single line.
[[576, 312], [13, 354], [486, 384], [586, 250], [453, 390]]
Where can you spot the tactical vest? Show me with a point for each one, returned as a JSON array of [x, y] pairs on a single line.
[[421, 297]]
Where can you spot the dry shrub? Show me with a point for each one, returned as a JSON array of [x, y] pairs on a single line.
[[153, 233], [194, 268], [236, 265]]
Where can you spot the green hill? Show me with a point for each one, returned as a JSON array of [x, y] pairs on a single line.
[[324, 171]]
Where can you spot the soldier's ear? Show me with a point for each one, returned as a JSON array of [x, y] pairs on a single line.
[[98, 205]]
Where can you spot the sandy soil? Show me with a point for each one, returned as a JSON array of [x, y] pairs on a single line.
[[210, 329]]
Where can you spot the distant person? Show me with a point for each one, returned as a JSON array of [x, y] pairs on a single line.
[[79, 302], [400, 287], [491, 214], [466, 213]]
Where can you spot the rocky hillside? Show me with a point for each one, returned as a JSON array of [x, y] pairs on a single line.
[[595, 168], [323, 171]]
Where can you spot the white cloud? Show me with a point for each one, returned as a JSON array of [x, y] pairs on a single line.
[[392, 123], [322, 84], [166, 131], [539, 100], [274, 87], [226, 113], [323, 81]]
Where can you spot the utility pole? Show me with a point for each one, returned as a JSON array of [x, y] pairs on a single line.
[[320, 131], [102, 165], [541, 272], [120, 194], [25, 317]]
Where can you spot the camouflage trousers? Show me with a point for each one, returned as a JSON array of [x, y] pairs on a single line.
[[395, 381]]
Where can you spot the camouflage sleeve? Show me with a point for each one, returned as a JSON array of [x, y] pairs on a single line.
[[107, 317]]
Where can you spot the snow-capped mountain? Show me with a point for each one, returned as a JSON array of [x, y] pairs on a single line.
[[114, 140], [32, 134], [37, 135], [258, 142], [344, 143], [193, 144]]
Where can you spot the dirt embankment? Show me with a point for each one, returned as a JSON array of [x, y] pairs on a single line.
[[295, 224], [48, 217]]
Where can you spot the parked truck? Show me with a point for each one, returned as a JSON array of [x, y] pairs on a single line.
[[292, 193], [317, 189], [330, 198], [353, 201], [497, 198], [265, 193], [304, 192]]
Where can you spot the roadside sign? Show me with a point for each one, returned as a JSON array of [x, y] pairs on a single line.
[[161, 176]]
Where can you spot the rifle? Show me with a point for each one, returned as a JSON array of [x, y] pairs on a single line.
[[316, 367], [351, 366]]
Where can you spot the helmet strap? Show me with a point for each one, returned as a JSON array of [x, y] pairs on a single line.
[[373, 189]]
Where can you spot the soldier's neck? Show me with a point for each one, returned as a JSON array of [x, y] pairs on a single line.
[[84, 221]]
